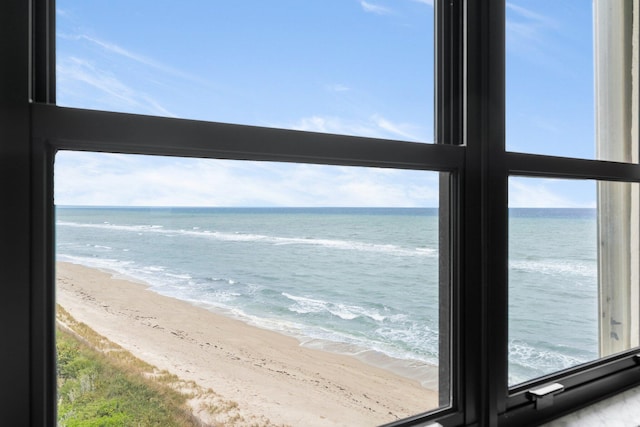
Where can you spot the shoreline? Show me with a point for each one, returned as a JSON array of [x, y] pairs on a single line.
[[267, 373], [417, 370]]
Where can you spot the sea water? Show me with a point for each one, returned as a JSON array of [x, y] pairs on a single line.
[[351, 280], [553, 290]]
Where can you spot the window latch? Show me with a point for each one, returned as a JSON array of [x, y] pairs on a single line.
[[543, 396]]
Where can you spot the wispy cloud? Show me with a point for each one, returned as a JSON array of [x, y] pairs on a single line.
[[373, 8], [77, 76], [526, 27], [394, 128], [375, 126], [337, 87], [125, 53], [526, 13], [333, 125], [429, 2]]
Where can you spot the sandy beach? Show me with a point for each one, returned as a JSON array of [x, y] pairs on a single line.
[[269, 375]]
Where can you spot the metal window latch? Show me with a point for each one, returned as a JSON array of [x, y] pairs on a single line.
[[543, 396]]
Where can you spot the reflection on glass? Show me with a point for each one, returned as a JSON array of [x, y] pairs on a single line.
[[572, 274], [572, 78], [356, 68], [307, 295]]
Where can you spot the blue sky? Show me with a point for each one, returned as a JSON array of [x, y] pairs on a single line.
[[340, 66]]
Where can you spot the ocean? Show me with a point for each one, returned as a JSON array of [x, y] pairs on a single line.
[[351, 280], [553, 290]]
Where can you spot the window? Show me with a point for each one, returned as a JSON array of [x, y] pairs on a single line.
[[571, 275], [469, 154], [549, 81], [301, 293], [355, 68]]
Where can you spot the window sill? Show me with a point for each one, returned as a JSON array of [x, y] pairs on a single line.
[[620, 410]]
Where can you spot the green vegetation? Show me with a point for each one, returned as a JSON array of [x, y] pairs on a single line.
[[102, 384], [94, 391]]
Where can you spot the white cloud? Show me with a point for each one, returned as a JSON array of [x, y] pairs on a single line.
[[376, 126], [333, 125], [428, 2], [111, 47], [337, 87], [376, 9], [115, 53], [550, 193], [125, 180], [81, 80], [394, 128], [125, 53], [529, 14], [130, 180], [525, 27]]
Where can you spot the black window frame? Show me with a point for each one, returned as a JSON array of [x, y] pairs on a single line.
[[470, 149]]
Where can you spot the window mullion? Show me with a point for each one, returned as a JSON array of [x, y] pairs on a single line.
[[22, 399], [448, 121], [449, 76], [485, 213], [75, 129], [43, 85]]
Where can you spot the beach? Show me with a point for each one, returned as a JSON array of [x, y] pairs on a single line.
[[269, 375]]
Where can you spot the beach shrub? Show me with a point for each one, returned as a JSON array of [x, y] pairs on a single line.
[[96, 391]]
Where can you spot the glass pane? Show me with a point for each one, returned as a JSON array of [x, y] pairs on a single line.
[[572, 78], [573, 273], [347, 67], [279, 293]]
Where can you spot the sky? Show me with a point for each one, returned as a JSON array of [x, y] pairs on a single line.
[[340, 66]]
